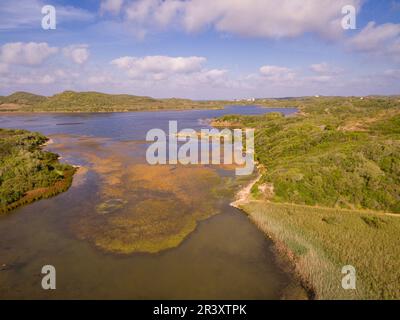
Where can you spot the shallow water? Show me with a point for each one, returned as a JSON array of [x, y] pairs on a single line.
[[93, 232]]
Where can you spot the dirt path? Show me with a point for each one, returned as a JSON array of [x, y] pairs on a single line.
[[358, 211], [243, 196]]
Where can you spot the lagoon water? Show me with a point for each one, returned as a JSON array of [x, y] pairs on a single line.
[[98, 250]]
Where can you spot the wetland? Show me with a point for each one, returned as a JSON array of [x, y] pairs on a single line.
[[129, 230]]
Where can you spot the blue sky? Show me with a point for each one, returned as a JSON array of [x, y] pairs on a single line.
[[201, 49]]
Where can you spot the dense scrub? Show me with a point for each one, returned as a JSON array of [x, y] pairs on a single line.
[[339, 152], [22, 98], [28, 173]]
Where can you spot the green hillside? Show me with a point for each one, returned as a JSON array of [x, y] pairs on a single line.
[[318, 168], [70, 101], [341, 152], [23, 98]]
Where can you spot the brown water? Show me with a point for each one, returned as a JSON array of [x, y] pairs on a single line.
[[128, 230]]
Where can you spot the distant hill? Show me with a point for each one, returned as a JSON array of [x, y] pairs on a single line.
[[23, 98], [71, 101]]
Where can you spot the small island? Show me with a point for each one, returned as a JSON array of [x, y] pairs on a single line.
[[28, 173]]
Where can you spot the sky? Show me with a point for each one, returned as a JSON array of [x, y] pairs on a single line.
[[202, 49]]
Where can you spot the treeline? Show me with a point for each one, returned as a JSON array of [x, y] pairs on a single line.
[[27, 173], [70, 101], [338, 152]]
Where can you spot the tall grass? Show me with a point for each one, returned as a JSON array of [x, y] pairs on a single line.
[[320, 241]]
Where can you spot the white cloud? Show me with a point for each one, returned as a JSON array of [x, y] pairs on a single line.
[[211, 78], [46, 79], [69, 13], [158, 67], [377, 41], [394, 49], [277, 74], [324, 69], [375, 37], [253, 18], [173, 76], [138, 11], [154, 11], [212, 75], [198, 83], [77, 53], [392, 73], [21, 53], [144, 15], [112, 6], [167, 11], [3, 68], [98, 80], [284, 79], [37, 79], [320, 67], [273, 70], [320, 78], [270, 76]]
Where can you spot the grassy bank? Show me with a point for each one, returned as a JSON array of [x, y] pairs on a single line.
[[320, 241], [27, 173], [330, 174]]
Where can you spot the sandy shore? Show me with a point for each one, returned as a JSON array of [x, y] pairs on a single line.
[[48, 142], [244, 194]]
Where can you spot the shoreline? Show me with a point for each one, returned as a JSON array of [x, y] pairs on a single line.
[[17, 112], [105, 112], [42, 193], [285, 258], [243, 196], [282, 253], [307, 254]]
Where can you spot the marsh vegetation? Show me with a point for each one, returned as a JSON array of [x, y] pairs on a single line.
[[319, 241], [144, 208]]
